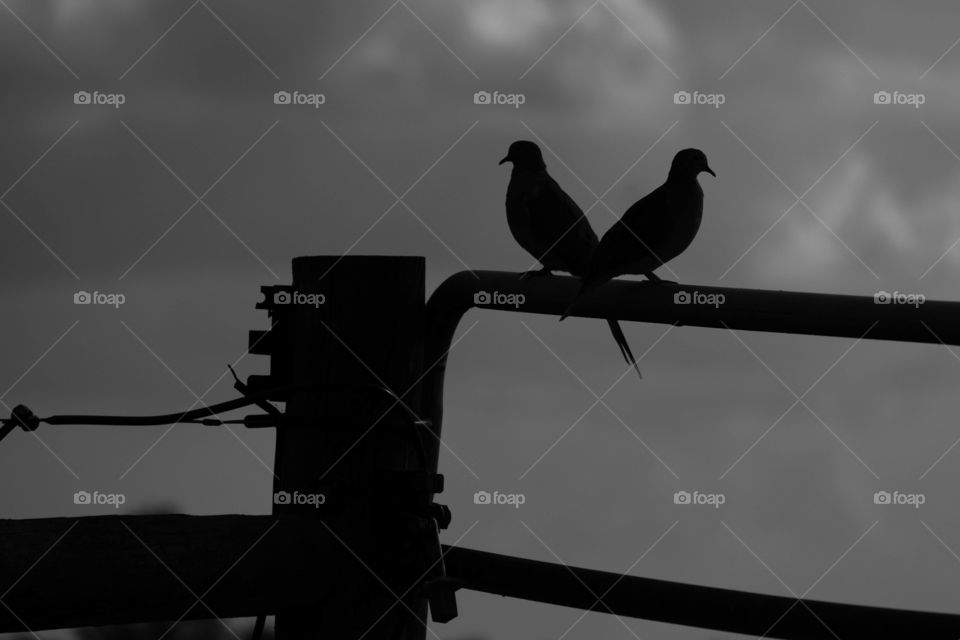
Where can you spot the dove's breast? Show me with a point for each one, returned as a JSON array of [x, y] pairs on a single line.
[[520, 220], [686, 216]]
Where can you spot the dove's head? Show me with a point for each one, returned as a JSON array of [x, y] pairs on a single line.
[[689, 163], [524, 155]]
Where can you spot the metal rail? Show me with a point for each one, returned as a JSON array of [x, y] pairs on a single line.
[[754, 614], [843, 316], [822, 314]]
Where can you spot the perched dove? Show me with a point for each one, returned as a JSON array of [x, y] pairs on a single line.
[[546, 222], [656, 229]]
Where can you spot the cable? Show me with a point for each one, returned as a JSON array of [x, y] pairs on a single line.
[[23, 417]]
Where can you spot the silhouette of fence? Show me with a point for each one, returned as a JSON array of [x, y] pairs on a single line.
[[363, 377]]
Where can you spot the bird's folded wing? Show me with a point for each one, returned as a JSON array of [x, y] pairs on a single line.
[[566, 231], [639, 241]]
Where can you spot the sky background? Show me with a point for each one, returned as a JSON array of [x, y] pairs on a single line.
[[105, 199]]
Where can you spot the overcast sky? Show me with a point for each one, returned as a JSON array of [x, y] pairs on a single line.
[[105, 198]]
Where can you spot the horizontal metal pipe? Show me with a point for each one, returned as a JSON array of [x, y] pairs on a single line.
[[690, 605], [842, 316], [845, 316], [823, 314]]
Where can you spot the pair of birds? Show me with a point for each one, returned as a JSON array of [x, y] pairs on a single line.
[[548, 224]]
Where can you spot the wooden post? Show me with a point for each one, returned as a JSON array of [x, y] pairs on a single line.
[[354, 321]]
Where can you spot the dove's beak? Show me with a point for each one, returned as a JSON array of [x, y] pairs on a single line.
[[505, 159], [710, 171]]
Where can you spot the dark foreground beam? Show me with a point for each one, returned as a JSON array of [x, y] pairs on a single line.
[[104, 570], [690, 605], [117, 569]]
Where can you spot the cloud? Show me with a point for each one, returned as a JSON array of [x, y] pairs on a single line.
[[531, 26], [896, 233], [513, 24], [563, 60], [72, 14]]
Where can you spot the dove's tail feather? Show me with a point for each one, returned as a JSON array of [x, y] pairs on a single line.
[[623, 344], [585, 287]]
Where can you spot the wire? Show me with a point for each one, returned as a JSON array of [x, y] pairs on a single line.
[[193, 415], [23, 417]]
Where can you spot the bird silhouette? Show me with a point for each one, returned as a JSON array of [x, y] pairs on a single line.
[[654, 230], [549, 225]]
